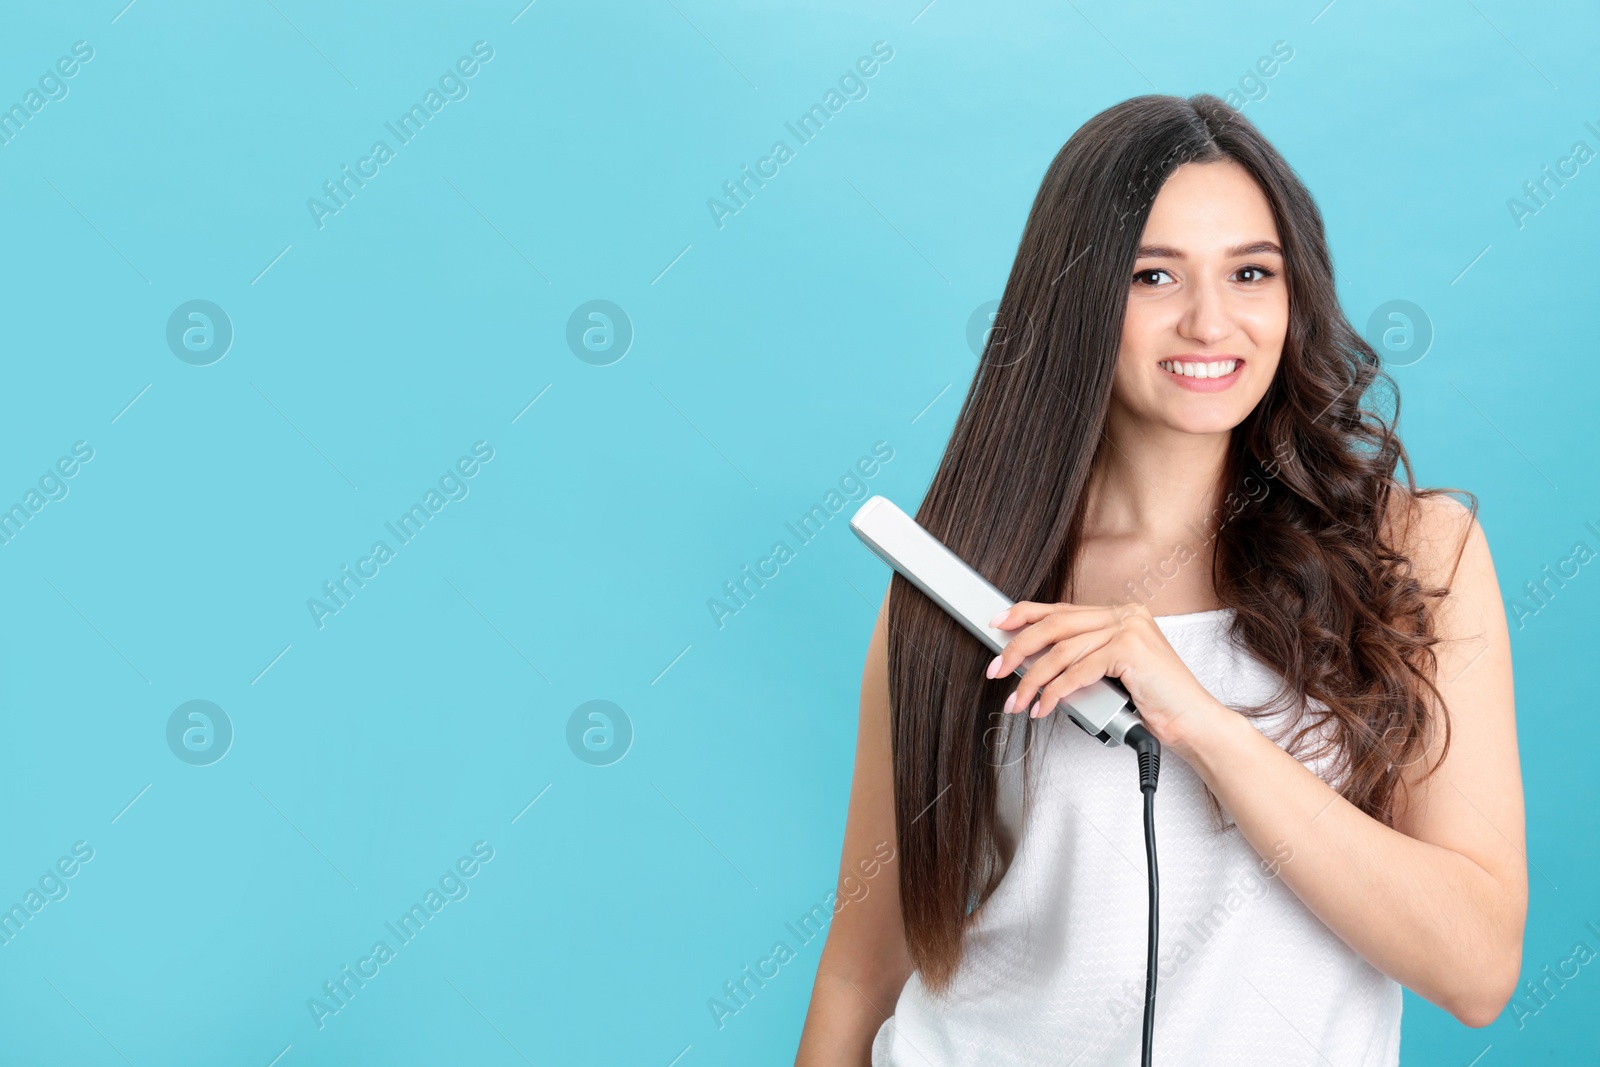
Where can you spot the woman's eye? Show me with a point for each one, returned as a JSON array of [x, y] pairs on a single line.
[[1149, 279]]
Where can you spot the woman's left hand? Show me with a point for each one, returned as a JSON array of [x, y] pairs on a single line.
[[1090, 642]]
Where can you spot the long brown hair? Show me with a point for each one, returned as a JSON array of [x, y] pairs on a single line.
[[1319, 594]]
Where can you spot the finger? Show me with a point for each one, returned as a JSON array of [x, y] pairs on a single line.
[[1050, 628], [1026, 611], [1043, 670], [1122, 614], [1012, 616], [1052, 665], [1091, 666]]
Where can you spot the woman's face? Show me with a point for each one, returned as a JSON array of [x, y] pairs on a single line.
[[1208, 292]]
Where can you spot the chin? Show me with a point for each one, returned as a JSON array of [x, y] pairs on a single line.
[[1213, 422]]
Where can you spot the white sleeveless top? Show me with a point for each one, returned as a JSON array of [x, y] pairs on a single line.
[[1053, 969]]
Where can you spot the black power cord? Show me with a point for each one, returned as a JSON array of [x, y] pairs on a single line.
[[1149, 749]]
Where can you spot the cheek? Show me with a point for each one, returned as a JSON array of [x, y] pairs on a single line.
[[1142, 331], [1262, 370], [1131, 377], [1267, 330], [1142, 326], [1261, 381], [1135, 386], [1267, 323]]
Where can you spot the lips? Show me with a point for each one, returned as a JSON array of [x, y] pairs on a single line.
[[1203, 375], [1196, 368]]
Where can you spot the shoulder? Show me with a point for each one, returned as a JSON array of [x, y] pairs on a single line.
[[1440, 536]]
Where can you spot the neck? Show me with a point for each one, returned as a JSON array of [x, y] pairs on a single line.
[[1154, 483]]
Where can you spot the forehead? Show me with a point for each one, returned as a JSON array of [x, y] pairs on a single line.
[[1209, 209]]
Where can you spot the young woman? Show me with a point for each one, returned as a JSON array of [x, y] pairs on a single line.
[[1171, 451]]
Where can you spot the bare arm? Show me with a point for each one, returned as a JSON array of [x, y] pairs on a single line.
[[1439, 902], [864, 962]]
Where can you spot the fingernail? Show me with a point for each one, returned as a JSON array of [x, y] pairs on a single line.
[[994, 668], [994, 623], [1011, 702], [1035, 711]]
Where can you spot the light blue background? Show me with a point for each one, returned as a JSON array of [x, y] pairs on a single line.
[[769, 355]]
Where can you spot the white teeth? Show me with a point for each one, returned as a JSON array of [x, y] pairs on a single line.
[[1219, 369]]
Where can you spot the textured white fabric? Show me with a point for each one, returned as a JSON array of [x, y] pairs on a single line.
[[1053, 969]]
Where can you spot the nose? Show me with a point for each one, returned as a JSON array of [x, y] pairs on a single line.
[[1206, 320]]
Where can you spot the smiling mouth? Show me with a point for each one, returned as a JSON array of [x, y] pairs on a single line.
[[1202, 370]]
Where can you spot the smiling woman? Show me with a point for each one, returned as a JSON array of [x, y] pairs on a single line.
[[1204, 315], [1331, 681]]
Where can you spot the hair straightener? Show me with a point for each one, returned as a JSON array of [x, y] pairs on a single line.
[[1103, 709]]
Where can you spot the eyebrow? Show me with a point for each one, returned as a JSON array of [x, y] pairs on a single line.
[[1254, 248]]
